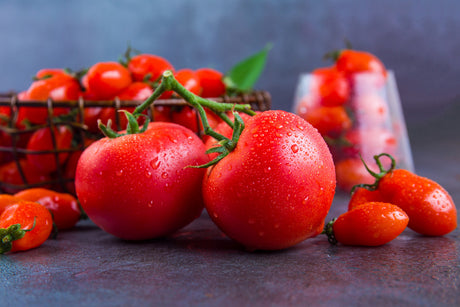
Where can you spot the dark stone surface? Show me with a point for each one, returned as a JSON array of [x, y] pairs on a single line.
[[198, 266]]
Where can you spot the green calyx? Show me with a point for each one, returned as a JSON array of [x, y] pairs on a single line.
[[329, 231], [378, 176], [10, 234], [169, 83]]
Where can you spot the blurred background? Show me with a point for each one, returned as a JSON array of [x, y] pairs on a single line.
[[417, 39]]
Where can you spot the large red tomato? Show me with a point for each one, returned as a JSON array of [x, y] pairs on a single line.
[[275, 189], [137, 186]]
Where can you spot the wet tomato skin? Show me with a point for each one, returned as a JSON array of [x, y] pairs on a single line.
[[370, 224], [275, 189], [137, 186]]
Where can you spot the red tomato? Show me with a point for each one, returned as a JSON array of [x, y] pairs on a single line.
[[41, 140], [431, 210], [11, 180], [64, 207], [332, 86], [275, 188], [211, 82], [162, 113], [362, 195], [352, 62], [148, 66], [59, 86], [137, 186], [107, 79], [188, 79], [330, 121], [6, 200], [18, 230], [188, 117], [370, 224]]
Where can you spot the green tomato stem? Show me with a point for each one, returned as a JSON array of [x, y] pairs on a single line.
[[378, 176], [12, 233]]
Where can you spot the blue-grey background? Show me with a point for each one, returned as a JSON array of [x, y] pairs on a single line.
[[418, 39]]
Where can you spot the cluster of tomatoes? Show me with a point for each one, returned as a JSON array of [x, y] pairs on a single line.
[[379, 212], [49, 146], [346, 103], [27, 218]]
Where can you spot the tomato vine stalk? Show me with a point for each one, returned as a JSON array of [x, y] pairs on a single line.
[[169, 83]]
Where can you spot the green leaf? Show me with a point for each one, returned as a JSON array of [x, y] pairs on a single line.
[[245, 74]]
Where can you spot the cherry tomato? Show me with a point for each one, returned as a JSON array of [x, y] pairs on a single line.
[[41, 140], [24, 226], [59, 86], [64, 207], [361, 195], [431, 210], [162, 113], [148, 66], [11, 180], [211, 82], [332, 86], [6, 200], [107, 79], [189, 79], [330, 121], [275, 188], [352, 62], [138, 186], [188, 117], [370, 224]]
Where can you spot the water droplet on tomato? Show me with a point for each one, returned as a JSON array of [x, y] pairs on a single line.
[[261, 233], [148, 174], [295, 148], [251, 221], [119, 173], [267, 170], [164, 175], [155, 163], [276, 226]]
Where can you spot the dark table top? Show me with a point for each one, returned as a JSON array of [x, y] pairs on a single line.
[[198, 266]]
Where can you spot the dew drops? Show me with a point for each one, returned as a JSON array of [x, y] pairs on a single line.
[[267, 170], [215, 215], [148, 174], [155, 163], [295, 148], [164, 175]]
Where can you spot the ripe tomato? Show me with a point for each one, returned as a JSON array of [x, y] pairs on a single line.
[[188, 117], [57, 85], [41, 140], [353, 62], [6, 200], [148, 66], [332, 86], [431, 210], [211, 82], [18, 230], [137, 186], [188, 79], [11, 180], [107, 79], [275, 188], [362, 195], [64, 207], [330, 121], [370, 224]]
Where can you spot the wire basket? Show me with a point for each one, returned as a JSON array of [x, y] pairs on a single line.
[[17, 174]]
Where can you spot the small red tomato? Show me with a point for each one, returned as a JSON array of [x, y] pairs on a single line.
[[188, 117], [11, 180], [370, 224], [148, 66], [332, 86], [6, 200], [107, 79], [211, 82], [138, 186], [361, 195], [431, 210], [64, 207], [162, 113], [188, 79], [24, 225], [352, 62], [330, 121], [275, 188], [42, 140]]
